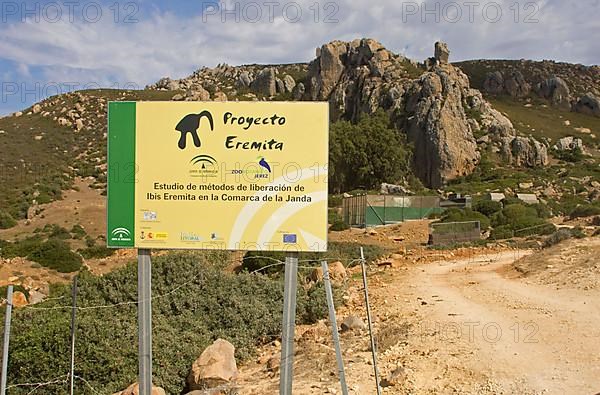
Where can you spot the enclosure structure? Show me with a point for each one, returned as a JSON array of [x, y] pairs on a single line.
[[375, 210], [444, 233]]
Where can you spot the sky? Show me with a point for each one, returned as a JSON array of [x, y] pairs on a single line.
[[50, 47]]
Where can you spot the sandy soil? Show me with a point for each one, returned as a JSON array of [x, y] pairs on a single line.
[[471, 325]]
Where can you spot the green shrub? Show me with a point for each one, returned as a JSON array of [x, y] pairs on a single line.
[[586, 210], [523, 220], [195, 303], [487, 207], [573, 156], [543, 211], [502, 232], [57, 255], [6, 220], [96, 252], [557, 237], [20, 248], [367, 153], [89, 241], [339, 225], [78, 232], [464, 215], [563, 234]]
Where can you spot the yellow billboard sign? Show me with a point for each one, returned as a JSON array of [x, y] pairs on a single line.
[[218, 175]]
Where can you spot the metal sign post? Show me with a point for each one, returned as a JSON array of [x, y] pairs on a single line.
[[373, 349], [334, 330], [289, 323], [145, 321], [9, 295]]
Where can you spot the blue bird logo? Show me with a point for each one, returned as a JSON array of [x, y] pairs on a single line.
[[263, 163]]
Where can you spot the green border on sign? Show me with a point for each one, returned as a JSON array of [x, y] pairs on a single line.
[[122, 171]]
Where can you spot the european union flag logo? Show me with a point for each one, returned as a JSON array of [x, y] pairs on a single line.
[[291, 238]]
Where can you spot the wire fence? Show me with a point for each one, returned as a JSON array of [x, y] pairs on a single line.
[[64, 303]]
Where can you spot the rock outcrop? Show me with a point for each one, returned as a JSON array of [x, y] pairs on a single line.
[[433, 103], [556, 90], [265, 82], [444, 146], [588, 104], [514, 84], [569, 143], [526, 152], [441, 53]]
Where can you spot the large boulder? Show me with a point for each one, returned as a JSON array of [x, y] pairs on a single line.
[[588, 104], [526, 152], [556, 90], [516, 85], [569, 143], [494, 83], [289, 83], [216, 366], [243, 80], [265, 82], [352, 323]]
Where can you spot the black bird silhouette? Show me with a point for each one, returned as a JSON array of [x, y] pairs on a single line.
[[190, 124]]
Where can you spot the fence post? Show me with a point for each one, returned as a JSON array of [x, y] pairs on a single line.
[[373, 350], [9, 295], [334, 330], [73, 316]]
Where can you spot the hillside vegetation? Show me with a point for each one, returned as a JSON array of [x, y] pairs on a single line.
[[196, 302]]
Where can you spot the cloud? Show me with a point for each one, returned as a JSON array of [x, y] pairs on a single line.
[[165, 43]]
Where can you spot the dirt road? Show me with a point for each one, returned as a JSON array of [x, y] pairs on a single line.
[[525, 338], [469, 326]]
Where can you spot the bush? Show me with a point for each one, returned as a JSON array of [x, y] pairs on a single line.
[[96, 252], [572, 155], [58, 232], [502, 232], [584, 210], [6, 220], [487, 207], [365, 154], [339, 225], [20, 248], [557, 237], [200, 304], [78, 232], [89, 241], [57, 255], [463, 215], [522, 220], [563, 234]]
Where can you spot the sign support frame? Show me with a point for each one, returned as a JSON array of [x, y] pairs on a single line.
[[288, 324], [145, 320], [334, 329], [8, 312]]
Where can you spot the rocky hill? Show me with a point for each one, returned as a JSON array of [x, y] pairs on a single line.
[[451, 125], [568, 86]]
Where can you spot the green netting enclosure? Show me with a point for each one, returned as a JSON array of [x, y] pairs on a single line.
[[374, 210]]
